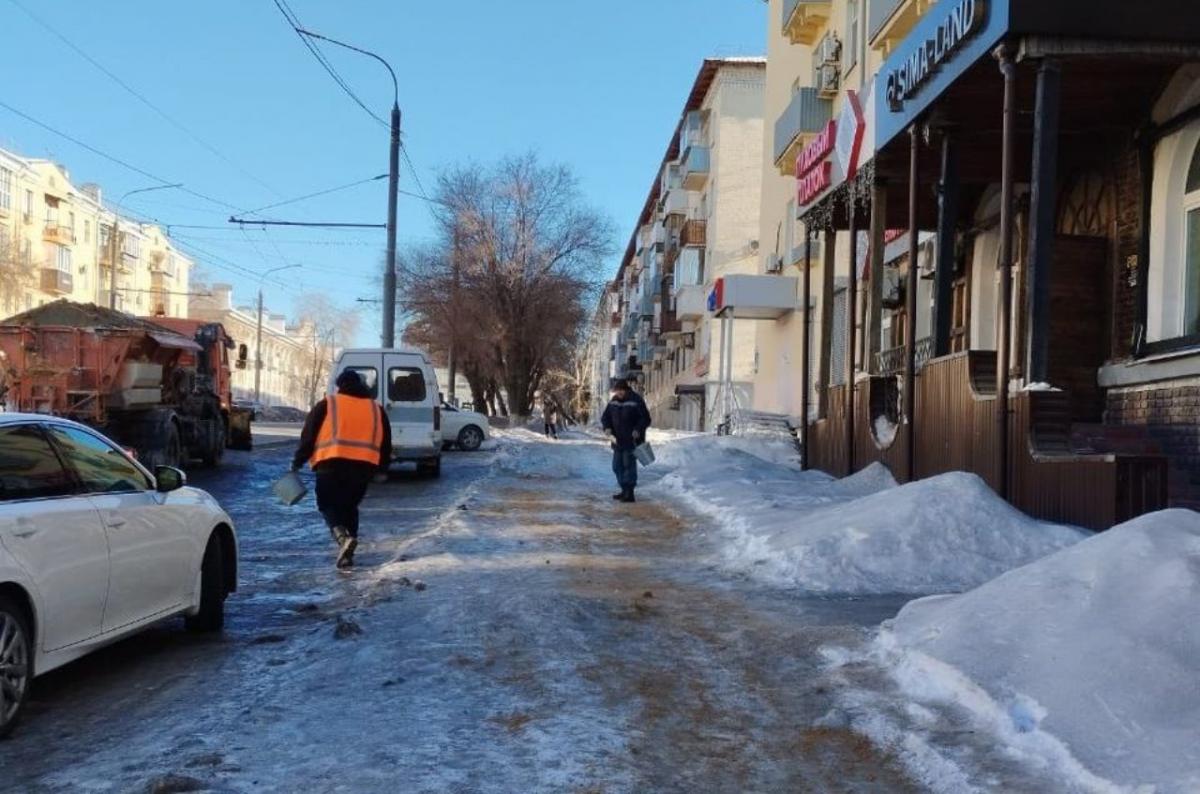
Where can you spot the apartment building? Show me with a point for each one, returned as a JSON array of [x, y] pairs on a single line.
[[663, 319], [54, 243], [998, 243], [294, 360]]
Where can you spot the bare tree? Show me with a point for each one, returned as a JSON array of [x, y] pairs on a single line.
[[326, 327], [16, 268], [519, 254]]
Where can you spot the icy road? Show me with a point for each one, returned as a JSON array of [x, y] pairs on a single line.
[[509, 628]]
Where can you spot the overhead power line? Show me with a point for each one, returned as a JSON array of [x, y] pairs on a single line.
[[315, 195], [112, 158], [143, 99], [298, 28]]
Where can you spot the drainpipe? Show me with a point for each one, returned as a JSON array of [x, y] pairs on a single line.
[[910, 330], [1009, 69], [851, 329], [805, 364]]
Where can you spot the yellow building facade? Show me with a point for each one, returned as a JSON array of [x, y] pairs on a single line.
[[55, 243]]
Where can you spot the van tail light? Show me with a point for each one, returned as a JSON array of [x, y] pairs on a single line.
[[437, 417]]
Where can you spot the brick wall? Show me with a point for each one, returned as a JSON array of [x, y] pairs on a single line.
[[1167, 415], [1128, 179]]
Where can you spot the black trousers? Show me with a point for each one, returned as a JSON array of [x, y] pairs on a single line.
[[341, 486]]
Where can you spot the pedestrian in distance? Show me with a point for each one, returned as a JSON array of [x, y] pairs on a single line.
[[625, 420], [550, 416], [347, 440]]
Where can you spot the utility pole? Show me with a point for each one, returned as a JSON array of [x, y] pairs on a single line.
[[454, 266], [258, 349], [389, 272], [258, 364], [116, 232]]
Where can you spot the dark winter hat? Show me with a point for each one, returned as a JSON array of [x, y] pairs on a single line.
[[621, 385], [350, 381]]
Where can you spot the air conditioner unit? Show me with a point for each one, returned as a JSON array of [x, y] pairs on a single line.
[[827, 81], [774, 263], [689, 340], [829, 50]]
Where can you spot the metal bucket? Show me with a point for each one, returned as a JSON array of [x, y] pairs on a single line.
[[644, 453], [289, 488]]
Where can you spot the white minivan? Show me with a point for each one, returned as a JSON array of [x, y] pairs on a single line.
[[409, 395]]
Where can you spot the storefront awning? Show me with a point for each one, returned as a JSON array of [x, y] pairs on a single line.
[[749, 297]]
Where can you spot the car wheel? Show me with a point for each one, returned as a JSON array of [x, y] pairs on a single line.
[[16, 655], [211, 615], [470, 438]]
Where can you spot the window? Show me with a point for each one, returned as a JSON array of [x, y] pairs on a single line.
[[29, 467], [1191, 257], [5, 242], [101, 466], [6, 183], [28, 204], [71, 222], [51, 211], [850, 51], [370, 377], [64, 259], [406, 385], [26, 253], [87, 231]]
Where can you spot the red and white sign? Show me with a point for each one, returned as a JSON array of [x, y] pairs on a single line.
[[814, 183], [851, 126], [817, 149], [843, 139]]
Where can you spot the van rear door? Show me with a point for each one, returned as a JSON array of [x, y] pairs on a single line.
[[409, 398]]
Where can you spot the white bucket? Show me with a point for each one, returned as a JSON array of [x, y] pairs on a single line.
[[644, 453], [289, 488]]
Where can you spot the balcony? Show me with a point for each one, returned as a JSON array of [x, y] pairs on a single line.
[[56, 281], [803, 19], [806, 115], [891, 361], [692, 235], [675, 202], [891, 20], [695, 166], [59, 235]]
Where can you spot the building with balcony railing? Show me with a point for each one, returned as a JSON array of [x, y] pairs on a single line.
[[699, 223], [1019, 303], [54, 244]]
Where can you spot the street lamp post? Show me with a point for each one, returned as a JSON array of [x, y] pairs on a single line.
[[389, 273], [258, 333], [116, 233]]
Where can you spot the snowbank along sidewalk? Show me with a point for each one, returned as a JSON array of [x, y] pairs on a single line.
[[858, 535]]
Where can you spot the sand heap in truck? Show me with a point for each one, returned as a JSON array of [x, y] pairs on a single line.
[[159, 386]]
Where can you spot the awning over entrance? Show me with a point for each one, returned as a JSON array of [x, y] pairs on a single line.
[[747, 297]]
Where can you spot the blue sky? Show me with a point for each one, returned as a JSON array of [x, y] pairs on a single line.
[[598, 86]]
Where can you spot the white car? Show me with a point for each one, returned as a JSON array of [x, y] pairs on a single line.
[[463, 429], [93, 547]]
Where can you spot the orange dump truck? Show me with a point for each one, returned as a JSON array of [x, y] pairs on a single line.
[[159, 386]]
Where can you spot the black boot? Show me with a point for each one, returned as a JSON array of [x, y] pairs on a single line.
[[627, 495], [619, 497]]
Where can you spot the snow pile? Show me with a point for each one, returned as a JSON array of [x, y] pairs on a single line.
[[859, 535], [1092, 654], [944, 533]]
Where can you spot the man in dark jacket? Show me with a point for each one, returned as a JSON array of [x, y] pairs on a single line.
[[346, 439], [626, 419]]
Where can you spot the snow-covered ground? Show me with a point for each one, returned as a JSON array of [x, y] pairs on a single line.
[[859, 535], [1086, 662], [1073, 665]]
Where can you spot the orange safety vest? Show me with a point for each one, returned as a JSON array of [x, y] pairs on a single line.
[[351, 430]]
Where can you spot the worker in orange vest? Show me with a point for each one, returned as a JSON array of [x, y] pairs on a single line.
[[347, 440]]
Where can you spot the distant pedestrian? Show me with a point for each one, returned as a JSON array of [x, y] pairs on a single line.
[[346, 439], [550, 417], [626, 419]]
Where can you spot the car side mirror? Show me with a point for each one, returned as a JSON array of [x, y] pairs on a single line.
[[168, 478]]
